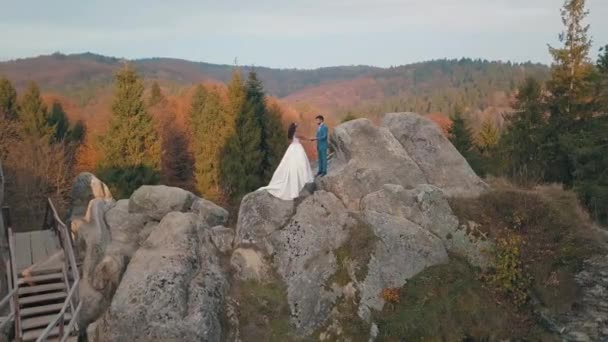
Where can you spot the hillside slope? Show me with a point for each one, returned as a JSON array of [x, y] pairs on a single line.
[[427, 87]]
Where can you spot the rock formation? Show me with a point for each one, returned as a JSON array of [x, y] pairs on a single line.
[[163, 265]]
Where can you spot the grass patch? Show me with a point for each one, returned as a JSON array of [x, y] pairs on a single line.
[[449, 303], [556, 236], [263, 311], [356, 253]]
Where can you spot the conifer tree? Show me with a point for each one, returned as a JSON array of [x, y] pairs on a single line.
[[523, 137], [8, 100], [241, 164], [208, 116], [487, 138], [460, 134], [570, 73], [570, 88], [131, 148], [276, 139], [33, 115], [58, 119], [156, 95]]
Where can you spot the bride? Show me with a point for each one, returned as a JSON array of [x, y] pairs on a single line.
[[293, 172]]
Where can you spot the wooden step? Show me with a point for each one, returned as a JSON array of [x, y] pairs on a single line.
[[41, 321], [51, 269], [32, 335], [39, 310], [41, 278], [42, 288], [47, 297]]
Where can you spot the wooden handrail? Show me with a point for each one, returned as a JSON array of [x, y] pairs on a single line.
[[13, 270], [60, 316], [65, 237]]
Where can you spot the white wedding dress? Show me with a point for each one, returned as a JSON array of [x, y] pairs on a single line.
[[292, 173]]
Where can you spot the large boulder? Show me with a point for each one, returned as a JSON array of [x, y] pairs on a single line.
[[304, 257], [427, 206], [369, 157], [173, 289], [209, 212], [403, 250], [156, 201], [260, 215], [86, 187], [442, 165]]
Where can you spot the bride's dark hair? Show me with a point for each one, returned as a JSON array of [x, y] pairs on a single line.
[[291, 131]]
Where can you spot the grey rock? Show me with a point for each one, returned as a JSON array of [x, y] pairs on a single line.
[[260, 215], [404, 249], [426, 206], [249, 264], [442, 165], [304, 257], [159, 200], [125, 227], [173, 289], [85, 188], [222, 238], [369, 157], [145, 233], [210, 212]]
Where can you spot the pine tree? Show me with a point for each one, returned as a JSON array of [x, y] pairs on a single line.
[[156, 95], [131, 148], [8, 100], [460, 134], [487, 138], [208, 116], [570, 82], [33, 115], [276, 136], [570, 90], [242, 158], [602, 81], [523, 137], [461, 137], [59, 120]]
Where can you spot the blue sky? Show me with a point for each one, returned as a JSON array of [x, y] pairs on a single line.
[[291, 33]]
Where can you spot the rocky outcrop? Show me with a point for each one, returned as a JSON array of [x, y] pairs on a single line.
[[442, 165], [173, 289], [157, 201], [304, 257], [426, 206], [376, 220], [130, 254], [367, 158]]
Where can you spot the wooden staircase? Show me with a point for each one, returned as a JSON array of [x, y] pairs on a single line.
[[41, 298], [44, 305]]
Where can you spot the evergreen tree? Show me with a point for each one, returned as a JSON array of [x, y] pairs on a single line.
[[276, 136], [570, 74], [156, 95], [59, 120], [602, 81], [488, 137], [131, 148], [462, 138], [460, 134], [8, 100], [523, 137], [570, 90], [33, 115], [208, 116]]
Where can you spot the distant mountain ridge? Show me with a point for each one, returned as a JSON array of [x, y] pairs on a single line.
[[434, 86]]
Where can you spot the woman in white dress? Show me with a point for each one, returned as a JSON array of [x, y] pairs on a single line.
[[294, 171]]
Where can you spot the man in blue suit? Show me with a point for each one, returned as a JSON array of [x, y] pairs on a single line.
[[322, 135]]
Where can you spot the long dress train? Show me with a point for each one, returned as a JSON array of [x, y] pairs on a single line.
[[292, 174]]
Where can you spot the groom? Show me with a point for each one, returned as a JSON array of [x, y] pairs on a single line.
[[322, 133]]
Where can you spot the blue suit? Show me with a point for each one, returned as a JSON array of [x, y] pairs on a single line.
[[322, 135]]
